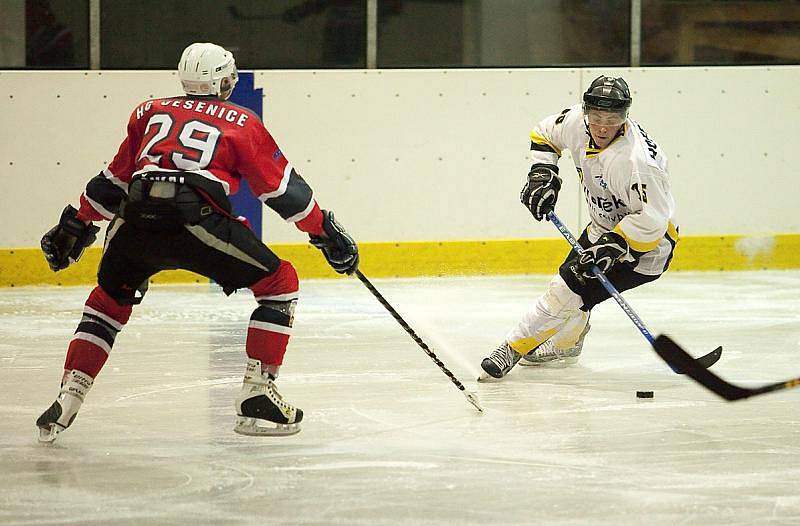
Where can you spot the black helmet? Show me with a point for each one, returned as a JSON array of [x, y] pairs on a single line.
[[607, 94]]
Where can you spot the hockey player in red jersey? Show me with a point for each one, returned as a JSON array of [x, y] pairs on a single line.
[[166, 195]]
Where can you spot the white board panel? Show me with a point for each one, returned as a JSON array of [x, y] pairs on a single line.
[[406, 155]]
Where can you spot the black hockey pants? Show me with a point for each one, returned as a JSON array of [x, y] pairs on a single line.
[[622, 275], [218, 247]]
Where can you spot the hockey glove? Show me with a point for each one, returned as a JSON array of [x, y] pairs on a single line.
[[338, 247], [64, 243], [540, 193], [607, 251]]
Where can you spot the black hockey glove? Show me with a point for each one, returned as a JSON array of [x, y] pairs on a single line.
[[540, 193], [64, 243], [608, 250], [338, 248]]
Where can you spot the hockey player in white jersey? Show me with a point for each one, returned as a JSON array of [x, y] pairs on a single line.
[[632, 233]]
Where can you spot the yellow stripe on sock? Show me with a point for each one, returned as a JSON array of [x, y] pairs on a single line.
[[526, 345]]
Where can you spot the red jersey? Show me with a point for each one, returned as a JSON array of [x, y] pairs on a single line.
[[218, 140]]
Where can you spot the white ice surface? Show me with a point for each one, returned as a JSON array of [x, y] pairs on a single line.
[[387, 438]]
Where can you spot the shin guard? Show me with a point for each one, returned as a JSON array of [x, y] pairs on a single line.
[[271, 322]]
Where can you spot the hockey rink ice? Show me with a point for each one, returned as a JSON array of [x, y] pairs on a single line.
[[387, 438]]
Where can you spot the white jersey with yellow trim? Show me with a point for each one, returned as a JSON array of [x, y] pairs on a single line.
[[626, 184]]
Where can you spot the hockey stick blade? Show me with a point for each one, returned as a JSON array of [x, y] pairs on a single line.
[[677, 358], [704, 361], [472, 398]]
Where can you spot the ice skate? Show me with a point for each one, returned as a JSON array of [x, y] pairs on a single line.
[[548, 354], [63, 411], [499, 363], [261, 410]]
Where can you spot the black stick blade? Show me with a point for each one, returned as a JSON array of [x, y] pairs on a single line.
[[680, 360], [705, 361]]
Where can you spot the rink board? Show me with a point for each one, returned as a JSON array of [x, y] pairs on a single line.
[[27, 266]]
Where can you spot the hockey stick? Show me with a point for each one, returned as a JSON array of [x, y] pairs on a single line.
[[471, 397], [704, 361], [675, 356]]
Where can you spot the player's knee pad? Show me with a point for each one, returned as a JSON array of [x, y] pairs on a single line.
[[277, 297], [281, 285], [559, 301], [274, 315]]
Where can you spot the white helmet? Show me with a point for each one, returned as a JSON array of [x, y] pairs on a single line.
[[207, 69]]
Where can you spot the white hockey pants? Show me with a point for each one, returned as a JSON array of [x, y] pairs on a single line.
[[557, 315]]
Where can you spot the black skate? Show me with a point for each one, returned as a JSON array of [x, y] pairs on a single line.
[[261, 410], [499, 363], [63, 411]]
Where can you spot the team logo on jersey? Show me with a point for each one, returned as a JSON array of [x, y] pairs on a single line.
[[603, 204], [601, 181]]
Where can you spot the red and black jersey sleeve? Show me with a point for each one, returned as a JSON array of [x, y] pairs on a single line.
[[275, 181]]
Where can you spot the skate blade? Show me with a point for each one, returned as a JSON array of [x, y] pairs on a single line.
[[486, 378], [526, 363], [255, 427], [48, 435], [558, 363]]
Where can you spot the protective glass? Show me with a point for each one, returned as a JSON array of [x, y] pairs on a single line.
[[609, 119]]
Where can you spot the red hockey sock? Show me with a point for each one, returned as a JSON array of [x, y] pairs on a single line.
[[271, 323], [102, 319]]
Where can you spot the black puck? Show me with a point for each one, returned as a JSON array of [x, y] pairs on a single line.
[[644, 394]]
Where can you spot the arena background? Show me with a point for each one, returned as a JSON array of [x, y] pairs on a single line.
[[424, 167]]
